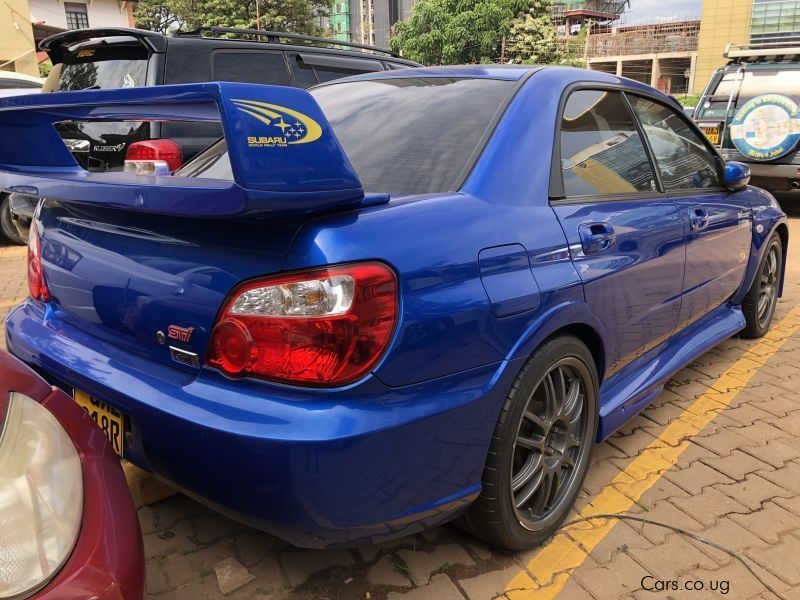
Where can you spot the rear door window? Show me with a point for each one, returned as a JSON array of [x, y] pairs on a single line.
[[684, 160], [601, 151], [253, 66], [116, 66]]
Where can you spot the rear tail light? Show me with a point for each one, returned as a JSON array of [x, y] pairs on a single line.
[[153, 157], [36, 283], [324, 327]]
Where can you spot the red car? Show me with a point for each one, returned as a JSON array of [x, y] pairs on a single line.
[[68, 527]]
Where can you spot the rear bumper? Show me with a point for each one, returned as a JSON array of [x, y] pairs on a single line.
[[107, 562], [315, 467]]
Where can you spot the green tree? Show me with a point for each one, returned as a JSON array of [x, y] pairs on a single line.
[[532, 36], [295, 16], [455, 31]]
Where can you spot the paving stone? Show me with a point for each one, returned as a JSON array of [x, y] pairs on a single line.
[[269, 577], [708, 506], [163, 542], [620, 577], [781, 559], [369, 552], [179, 570], [147, 518], [634, 443], [421, 564], [481, 550], [493, 583], [673, 557], [662, 489], [740, 582], [665, 512], [753, 491], [768, 523], [697, 476], [302, 564], [232, 575], [724, 440], [440, 588], [624, 535], [155, 577], [790, 504], [762, 432], [385, 572], [736, 465], [729, 535], [599, 476], [210, 528], [787, 477], [252, 546], [775, 453]]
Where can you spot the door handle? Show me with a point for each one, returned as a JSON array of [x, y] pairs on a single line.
[[596, 237], [698, 219]]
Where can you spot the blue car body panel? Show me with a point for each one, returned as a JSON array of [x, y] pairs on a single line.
[[486, 273]]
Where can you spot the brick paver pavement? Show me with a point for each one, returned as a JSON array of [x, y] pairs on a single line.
[[737, 484]]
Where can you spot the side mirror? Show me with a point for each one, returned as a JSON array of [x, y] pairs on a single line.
[[737, 175]]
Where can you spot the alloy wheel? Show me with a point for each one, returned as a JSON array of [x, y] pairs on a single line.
[[548, 443]]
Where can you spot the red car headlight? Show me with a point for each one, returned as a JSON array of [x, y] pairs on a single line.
[[41, 497]]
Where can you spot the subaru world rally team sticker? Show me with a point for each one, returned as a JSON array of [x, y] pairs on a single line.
[[766, 127], [286, 127]]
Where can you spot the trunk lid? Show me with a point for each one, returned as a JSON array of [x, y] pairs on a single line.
[[131, 280]]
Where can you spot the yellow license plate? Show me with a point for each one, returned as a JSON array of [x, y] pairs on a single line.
[[712, 133], [107, 418]]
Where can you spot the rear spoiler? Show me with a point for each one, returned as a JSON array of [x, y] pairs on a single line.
[[284, 155]]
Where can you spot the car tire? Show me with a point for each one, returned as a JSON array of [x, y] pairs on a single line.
[[7, 227], [543, 437], [759, 304]]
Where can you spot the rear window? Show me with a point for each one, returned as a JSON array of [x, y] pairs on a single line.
[[412, 136], [402, 136], [121, 66]]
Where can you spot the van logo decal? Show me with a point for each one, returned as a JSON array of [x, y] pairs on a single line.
[[285, 127], [182, 334]]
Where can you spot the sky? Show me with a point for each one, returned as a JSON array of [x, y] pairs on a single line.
[[654, 10]]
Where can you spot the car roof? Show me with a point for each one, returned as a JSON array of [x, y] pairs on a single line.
[[20, 77], [507, 72]]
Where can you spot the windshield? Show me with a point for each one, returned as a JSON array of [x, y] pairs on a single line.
[[754, 82], [402, 136], [100, 68]]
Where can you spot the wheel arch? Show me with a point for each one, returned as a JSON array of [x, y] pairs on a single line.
[[783, 232], [574, 319]]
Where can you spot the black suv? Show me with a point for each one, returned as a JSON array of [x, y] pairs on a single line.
[[119, 57]]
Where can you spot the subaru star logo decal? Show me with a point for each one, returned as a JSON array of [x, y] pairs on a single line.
[[285, 127]]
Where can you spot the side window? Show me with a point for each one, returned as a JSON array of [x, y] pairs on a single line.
[[601, 151], [331, 72], [303, 73], [685, 162], [267, 68]]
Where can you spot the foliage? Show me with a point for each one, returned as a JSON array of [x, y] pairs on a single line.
[[45, 68], [687, 99], [532, 36], [455, 31], [296, 16]]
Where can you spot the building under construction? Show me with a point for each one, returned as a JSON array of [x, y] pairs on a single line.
[[660, 54], [570, 16]]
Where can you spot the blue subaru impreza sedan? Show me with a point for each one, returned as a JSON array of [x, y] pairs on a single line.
[[392, 301]]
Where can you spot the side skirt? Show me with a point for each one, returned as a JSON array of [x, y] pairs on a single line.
[[620, 403]]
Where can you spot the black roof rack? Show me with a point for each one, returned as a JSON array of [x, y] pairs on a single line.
[[276, 36]]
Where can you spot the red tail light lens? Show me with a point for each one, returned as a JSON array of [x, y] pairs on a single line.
[[36, 283], [323, 327], [146, 157]]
